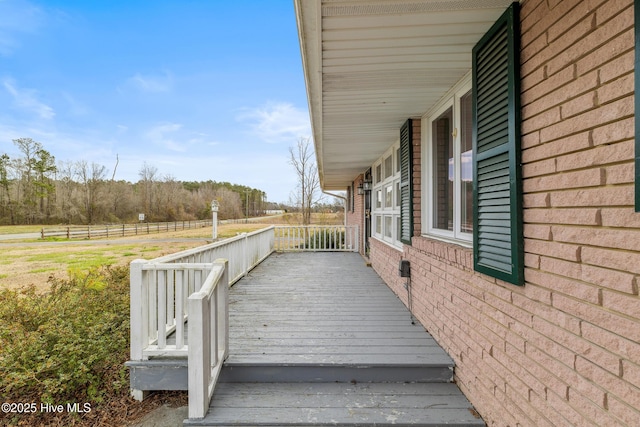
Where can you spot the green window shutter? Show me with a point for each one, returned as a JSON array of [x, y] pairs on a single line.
[[636, 7], [406, 186], [497, 184]]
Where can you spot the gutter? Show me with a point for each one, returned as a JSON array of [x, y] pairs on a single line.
[[345, 204]]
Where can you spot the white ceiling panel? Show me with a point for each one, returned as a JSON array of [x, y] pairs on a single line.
[[370, 65]]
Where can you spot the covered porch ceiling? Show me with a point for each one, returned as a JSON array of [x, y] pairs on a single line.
[[370, 65]]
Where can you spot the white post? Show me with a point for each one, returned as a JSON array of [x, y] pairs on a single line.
[[245, 256], [137, 313], [214, 212], [208, 338]]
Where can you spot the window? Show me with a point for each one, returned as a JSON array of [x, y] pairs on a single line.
[[497, 184], [386, 206], [471, 157], [449, 141], [388, 168]]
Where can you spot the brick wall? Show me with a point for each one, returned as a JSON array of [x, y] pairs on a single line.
[[565, 348], [357, 216], [385, 260]]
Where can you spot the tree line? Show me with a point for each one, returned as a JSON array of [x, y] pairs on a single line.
[[35, 189]]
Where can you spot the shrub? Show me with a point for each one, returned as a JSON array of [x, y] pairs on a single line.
[[62, 346]]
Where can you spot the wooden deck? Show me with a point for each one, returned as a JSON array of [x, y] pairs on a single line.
[[319, 339]]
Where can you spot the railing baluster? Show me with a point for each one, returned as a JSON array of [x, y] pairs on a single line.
[[153, 305], [180, 309], [162, 309], [316, 238], [171, 302]]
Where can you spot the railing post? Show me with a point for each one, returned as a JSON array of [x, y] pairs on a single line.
[[137, 313], [223, 311], [245, 261], [208, 339], [199, 358]]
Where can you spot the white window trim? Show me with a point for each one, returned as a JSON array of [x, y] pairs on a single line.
[[392, 210], [452, 98]]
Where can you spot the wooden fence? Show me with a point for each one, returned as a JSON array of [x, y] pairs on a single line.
[[120, 230]]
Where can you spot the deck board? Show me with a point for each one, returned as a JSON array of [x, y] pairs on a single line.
[[323, 308], [319, 339], [297, 404]]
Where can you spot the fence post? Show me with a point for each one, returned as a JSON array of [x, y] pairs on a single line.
[[89, 232]]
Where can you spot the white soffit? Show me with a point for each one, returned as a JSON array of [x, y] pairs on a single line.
[[370, 65]]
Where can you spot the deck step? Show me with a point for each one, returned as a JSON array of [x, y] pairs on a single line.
[[158, 374], [338, 404], [244, 371]]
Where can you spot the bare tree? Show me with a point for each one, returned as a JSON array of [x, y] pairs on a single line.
[[66, 188], [92, 179], [147, 189], [308, 189]]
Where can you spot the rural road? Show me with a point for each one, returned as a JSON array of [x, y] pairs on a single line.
[[19, 236], [98, 242]]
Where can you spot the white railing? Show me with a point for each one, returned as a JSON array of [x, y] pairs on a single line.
[[193, 284], [244, 252], [208, 337], [317, 238], [159, 293], [160, 288]]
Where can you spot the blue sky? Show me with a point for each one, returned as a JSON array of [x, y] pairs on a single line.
[[206, 89]]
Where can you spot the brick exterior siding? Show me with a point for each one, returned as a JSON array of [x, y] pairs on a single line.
[[565, 348], [355, 216]]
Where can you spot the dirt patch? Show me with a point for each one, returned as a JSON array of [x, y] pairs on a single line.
[[160, 409]]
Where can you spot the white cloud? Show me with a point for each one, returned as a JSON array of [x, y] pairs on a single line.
[[162, 135], [277, 122], [27, 99], [153, 84]]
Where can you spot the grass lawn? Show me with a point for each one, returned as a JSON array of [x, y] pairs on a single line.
[[33, 262]]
